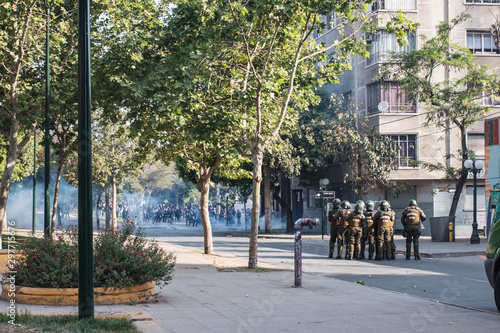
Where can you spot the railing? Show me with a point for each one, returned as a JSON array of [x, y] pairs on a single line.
[[393, 108], [394, 5]]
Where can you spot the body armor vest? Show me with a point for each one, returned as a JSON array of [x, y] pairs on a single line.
[[356, 221], [369, 220], [331, 216], [385, 220], [342, 222], [412, 217]]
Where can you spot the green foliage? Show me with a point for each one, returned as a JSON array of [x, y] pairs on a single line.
[[127, 258], [47, 263], [330, 133], [121, 258]]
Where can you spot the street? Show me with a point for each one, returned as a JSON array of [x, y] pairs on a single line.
[[456, 280]]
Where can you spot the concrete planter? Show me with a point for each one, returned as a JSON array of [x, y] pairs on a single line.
[[69, 296], [4, 259]]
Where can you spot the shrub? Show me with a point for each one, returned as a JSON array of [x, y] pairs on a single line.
[[121, 258]]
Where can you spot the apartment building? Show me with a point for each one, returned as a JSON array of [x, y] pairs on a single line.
[[387, 108]]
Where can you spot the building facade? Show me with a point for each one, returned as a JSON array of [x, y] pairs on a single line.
[[386, 107]]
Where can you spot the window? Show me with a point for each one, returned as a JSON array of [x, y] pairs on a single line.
[[390, 92], [311, 198], [383, 42], [482, 1], [469, 198], [481, 42], [407, 149], [332, 20], [475, 142], [394, 4], [489, 99]]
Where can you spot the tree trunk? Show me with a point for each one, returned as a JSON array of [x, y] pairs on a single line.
[[463, 176], [56, 193], [113, 202], [257, 157], [59, 214], [286, 208], [97, 204], [267, 200], [205, 217], [106, 207], [18, 37], [8, 171], [4, 189]]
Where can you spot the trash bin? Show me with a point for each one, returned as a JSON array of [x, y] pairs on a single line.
[[439, 228]]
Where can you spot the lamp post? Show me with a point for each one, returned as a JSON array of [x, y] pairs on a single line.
[[46, 224], [33, 226], [322, 186], [85, 232], [474, 167]]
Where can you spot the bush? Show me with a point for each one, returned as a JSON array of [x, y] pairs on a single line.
[[121, 258]]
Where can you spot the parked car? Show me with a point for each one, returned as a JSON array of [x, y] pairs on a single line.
[[492, 262]]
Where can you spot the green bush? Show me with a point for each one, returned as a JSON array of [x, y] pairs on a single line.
[[121, 258]]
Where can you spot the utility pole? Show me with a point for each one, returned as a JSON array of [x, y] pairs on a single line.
[[85, 248], [46, 224]]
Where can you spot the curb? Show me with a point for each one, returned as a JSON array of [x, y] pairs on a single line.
[[143, 322], [446, 254]]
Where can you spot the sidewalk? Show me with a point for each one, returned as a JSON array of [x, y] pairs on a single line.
[[202, 299]]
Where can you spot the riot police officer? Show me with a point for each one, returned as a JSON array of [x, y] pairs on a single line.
[[356, 253], [343, 227], [411, 218], [368, 230], [355, 220], [333, 225], [384, 218]]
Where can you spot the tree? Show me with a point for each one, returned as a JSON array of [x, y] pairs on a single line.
[[455, 101], [21, 34], [152, 181], [327, 135], [232, 68], [64, 91], [279, 60], [368, 157], [182, 114]]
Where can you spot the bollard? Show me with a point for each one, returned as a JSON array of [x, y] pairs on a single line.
[[450, 228], [303, 222]]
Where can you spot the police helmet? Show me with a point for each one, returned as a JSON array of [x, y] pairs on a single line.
[[345, 204], [359, 207], [361, 202], [412, 202], [384, 205], [336, 203], [370, 205]]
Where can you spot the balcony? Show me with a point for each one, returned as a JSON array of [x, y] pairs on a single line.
[[394, 5]]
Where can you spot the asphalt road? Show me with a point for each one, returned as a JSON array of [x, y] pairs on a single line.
[[457, 280]]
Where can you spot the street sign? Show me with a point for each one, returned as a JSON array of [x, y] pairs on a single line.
[[326, 194]]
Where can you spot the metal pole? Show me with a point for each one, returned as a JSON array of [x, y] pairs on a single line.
[[322, 219], [302, 222], [33, 227], [85, 255], [46, 224], [474, 239], [298, 257]]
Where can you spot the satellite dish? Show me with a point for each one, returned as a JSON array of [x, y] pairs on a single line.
[[382, 106]]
